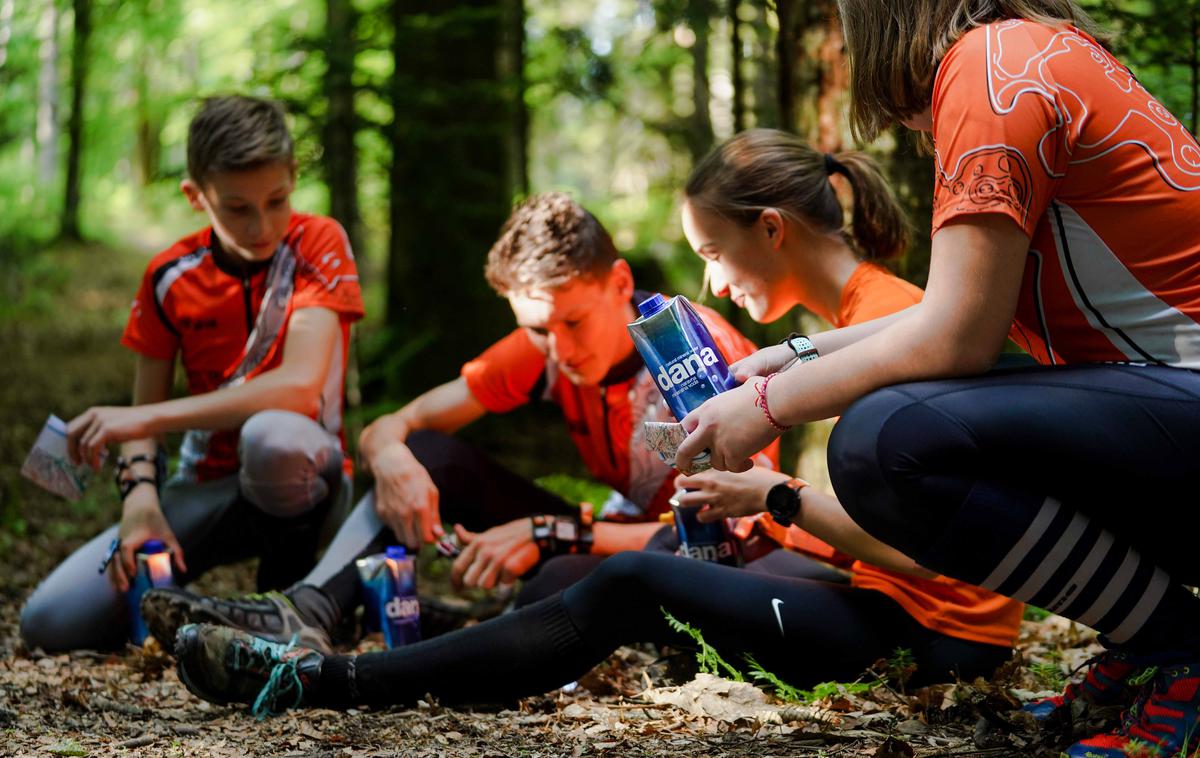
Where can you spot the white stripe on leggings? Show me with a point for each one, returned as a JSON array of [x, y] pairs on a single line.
[[1136, 619], [1054, 559], [1087, 570], [1018, 552], [1112, 593]]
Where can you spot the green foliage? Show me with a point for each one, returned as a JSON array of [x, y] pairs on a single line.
[[1049, 675], [576, 490], [707, 656], [901, 666], [1033, 613]]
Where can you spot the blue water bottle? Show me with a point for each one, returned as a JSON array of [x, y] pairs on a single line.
[[680, 352], [153, 570], [401, 610]]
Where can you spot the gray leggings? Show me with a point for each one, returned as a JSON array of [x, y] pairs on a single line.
[[289, 477]]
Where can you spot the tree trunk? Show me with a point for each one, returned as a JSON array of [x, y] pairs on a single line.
[[511, 67], [785, 58], [449, 192], [79, 66], [833, 87], [47, 112], [700, 132], [339, 161], [737, 61], [149, 143]]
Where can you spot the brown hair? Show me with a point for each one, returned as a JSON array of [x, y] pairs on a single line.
[[895, 46], [547, 241], [236, 133], [767, 168]]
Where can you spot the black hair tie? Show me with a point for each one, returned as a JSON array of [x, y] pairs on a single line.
[[834, 166]]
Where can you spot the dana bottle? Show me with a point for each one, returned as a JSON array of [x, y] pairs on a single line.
[[153, 570], [400, 610], [680, 353]]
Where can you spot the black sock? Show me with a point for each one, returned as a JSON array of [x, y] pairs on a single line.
[[522, 653]]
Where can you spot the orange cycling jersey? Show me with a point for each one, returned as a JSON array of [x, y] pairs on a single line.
[[941, 604], [200, 302], [1042, 125], [604, 421]]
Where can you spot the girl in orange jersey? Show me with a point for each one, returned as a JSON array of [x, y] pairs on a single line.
[[1063, 217]]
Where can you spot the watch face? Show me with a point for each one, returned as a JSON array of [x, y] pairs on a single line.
[[782, 502]]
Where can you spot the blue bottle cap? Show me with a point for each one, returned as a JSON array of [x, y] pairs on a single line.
[[152, 546], [652, 305], [396, 552]]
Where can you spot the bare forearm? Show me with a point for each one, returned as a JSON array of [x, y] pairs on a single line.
[[912, 348], [836, 339], [824, 517], [446, 408], [614, 538], [229, 407]]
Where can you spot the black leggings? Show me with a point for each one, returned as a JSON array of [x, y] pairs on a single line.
[[803, 630], [1064, 487]]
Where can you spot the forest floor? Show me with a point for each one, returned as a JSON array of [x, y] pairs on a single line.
[[61, 312]]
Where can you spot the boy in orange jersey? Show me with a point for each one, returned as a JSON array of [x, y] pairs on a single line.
[[257, 309]]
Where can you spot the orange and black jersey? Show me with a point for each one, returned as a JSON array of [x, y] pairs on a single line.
[[200, 302]]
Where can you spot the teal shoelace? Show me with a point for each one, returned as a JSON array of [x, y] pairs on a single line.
[[283, 689]]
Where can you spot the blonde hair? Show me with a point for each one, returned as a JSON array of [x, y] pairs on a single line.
[[766, 168], [895, 46]]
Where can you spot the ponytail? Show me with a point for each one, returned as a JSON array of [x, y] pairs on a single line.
[[879, 227], [766, 168]]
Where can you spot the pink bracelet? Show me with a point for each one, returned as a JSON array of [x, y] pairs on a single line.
[[761, 402]]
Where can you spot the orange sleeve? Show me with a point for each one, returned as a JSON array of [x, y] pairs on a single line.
[[993, 136], [326, 275], [503, 376], [147, 331]]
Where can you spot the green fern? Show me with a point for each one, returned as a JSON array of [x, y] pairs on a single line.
[[707, 656], [782, 690]]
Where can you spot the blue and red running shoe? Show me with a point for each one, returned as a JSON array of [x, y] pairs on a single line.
[[1163, 722], [1112, 679]]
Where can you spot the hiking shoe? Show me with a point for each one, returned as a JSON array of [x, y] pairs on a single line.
[[1112, 679], [1163, 722], [271, 616], [224, 665]]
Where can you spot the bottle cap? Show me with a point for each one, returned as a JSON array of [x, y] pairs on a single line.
[[396, 552], [652, 305], [152, 546]]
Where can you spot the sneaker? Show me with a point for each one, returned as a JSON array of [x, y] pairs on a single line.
[[271, 616], [224, 665], [1112, 679], [1164, 722]]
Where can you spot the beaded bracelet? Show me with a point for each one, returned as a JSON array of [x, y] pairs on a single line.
[[761, 402]]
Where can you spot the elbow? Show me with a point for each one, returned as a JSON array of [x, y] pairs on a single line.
[[304, 398], [947, 357]]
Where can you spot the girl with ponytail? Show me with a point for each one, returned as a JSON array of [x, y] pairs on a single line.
[[762, 211]]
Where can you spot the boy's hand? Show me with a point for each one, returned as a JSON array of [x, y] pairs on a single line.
[[142, 520], [763, 362], [406, 499], [499, 555], [729, 495], [90, 433]]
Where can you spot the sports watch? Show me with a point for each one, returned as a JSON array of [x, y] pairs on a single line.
[[802, 346], [783, 501]]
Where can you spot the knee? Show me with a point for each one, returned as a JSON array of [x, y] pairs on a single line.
[[627, 575], [289, 463], [54, 628]]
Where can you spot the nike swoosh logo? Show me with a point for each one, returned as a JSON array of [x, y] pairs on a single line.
[[775, 603]]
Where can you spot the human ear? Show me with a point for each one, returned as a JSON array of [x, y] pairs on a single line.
[[620, 277], [773, 227], [193, 193]]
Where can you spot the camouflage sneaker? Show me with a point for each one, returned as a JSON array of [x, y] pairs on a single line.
[[224, 665], [271, 616]]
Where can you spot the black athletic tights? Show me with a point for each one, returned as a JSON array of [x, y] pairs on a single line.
[[1071, 488], [804, 630]]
